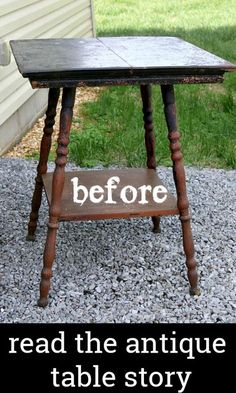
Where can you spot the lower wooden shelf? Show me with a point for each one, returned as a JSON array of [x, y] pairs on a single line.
[[135, 177]]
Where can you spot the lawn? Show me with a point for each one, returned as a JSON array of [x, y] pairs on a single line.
[[111, 127]]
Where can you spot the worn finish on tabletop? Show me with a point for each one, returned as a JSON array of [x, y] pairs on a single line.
[[116, 60], [69, 63]]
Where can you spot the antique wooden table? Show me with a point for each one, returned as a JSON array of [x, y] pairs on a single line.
[[71, 63]]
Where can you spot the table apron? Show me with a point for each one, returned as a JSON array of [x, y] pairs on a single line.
[[162, 80]]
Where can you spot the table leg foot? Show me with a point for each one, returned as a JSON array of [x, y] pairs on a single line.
[[180, 184], [43, 302], [188, 246], [194, 291], [156, 225], [42, 166], [31, 237], [48, 259]]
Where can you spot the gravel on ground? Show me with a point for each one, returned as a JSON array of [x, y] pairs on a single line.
[[118, 270]]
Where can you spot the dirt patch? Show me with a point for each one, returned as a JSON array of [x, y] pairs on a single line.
[[30, 143]]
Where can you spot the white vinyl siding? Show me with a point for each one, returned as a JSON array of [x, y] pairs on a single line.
[[20, 19]]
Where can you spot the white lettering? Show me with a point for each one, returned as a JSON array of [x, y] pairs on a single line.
[[219, 342], [156, 379], [77, 189], [130, 380], [128, 194], [183, 381], [83, 379], [159, 190], [96, 190], [132, 190], [143, 190], [111, 186]]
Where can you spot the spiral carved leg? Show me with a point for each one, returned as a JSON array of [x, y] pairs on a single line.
[[68, 99], [146, 94], [42, 166], [180, 183]]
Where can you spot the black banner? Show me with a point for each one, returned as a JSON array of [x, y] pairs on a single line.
[[118, 358]]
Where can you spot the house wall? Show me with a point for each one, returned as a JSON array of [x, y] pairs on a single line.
[[20, 105]]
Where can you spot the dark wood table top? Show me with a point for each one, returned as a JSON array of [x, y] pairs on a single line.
[[116, 60]]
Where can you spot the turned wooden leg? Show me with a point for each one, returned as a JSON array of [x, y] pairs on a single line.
[[180, 183], [42, 165], [68, 99], [146, 94]]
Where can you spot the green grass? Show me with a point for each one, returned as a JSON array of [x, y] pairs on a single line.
[[112, 127]]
